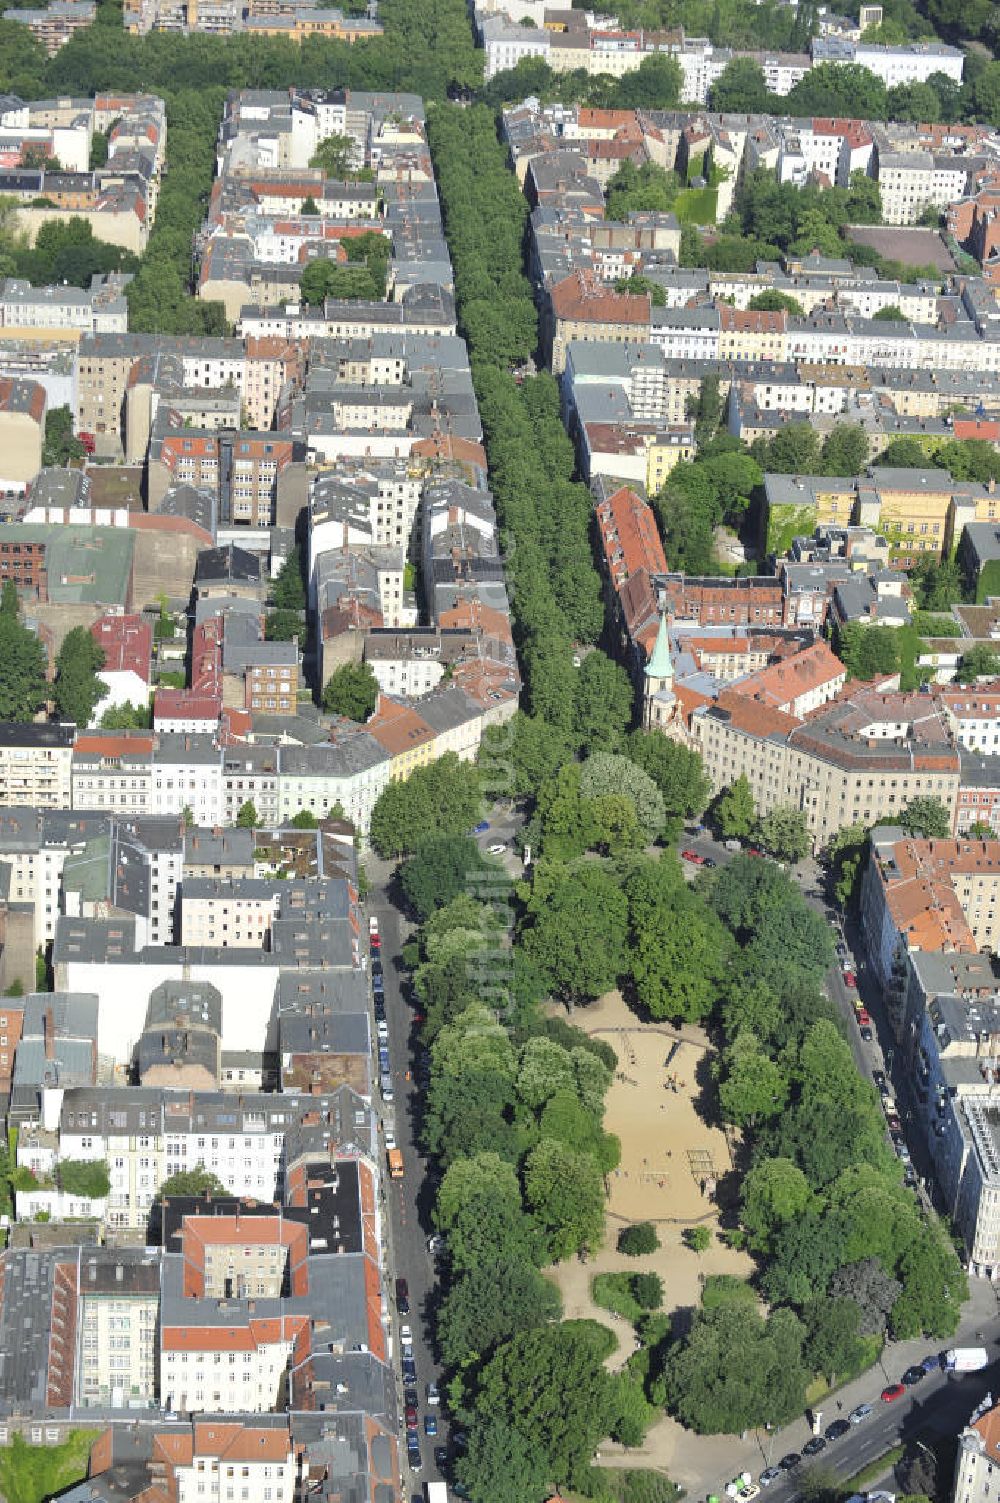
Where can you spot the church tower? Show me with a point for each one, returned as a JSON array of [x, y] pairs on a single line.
[[659, 705]]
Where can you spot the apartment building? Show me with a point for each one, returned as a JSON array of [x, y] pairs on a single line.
[[978, 1460], [53, 25], [35, 765], [864, 756], [581, 307], [118, 1305]]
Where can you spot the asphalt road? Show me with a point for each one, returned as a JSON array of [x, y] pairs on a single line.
[[938, 1406], [410, 1199]]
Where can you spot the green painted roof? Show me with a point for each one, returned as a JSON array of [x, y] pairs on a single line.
[[85, 565], [660, 663]]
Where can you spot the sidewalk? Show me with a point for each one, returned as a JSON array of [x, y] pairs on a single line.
[[703, 1464]]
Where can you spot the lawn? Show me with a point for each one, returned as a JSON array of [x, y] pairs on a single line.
[[30, 1474], [932, 624], [874, 1472]]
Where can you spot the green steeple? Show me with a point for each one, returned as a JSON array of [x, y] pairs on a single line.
[[660, 664]]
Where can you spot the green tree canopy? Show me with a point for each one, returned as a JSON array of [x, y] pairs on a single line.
[[78, 690], [440, 799], [351, 690], [197, 1181]]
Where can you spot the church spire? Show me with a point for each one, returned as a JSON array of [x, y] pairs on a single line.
[[660, 665]]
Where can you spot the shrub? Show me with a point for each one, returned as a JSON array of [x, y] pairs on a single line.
[[647, 1290], [636, 1240]]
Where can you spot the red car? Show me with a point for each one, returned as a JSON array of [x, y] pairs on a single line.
[[892, 1393], [850, 979], [693, 857], [864, 1019]]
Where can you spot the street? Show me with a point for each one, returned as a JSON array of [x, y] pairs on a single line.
[[939, 1406], [410, 1199]]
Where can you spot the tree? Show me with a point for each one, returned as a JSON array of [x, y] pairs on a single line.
[[934, 1288], [304, 820], [247, 817], [442, 798], [773, 301], [9, 603], [309, 206], [677, 771], [23, 689], [607, 774], [794, 450], [872, 1290], [439, 870], [577, 930], [891, 313], [698, 1238], [550, 1392], [289, 592], [978, 662], [479, 1210], [87, 1177], [127, 717], [754, 1086], [78, 690], [734, 812], [906, 454], [602, 706], [845, 450], [709, 410], [196, 1181], [282, 626], [868, 652], [60, 447], [926, 817], [734, 1370], [740, 88], [565, 1191], [846, 855], [784, 833], [351, 690], [678, 951], [637, 1240], [333, 156], [491, 1304], [775, 1191], [833, 1344]]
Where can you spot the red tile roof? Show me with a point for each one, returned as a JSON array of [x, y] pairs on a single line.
[[127, 643]]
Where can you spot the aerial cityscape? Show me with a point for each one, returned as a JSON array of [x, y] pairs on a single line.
[[499, 751]]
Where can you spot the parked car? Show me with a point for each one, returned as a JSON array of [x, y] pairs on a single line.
[[849, 977], [892, 1393], [837, 1429], [814, 1446], [409, 1395], [693, 857], [411, 1416], [403, 1299], [430, 1424], [441, 1458], [914, 1374], [864, 1017], [881, 1084], [372, 924], [931, 1363], [390, 1140], [496, 850], [433, 1397], [866, 1032], [409, 1369], [710, 861], [861, 1413], [790, 1462], [413, 1456], [481, 828], [771, 1475], [406, 1340], [376, 966]]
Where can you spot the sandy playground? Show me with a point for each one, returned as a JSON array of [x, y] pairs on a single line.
[[669, 1161]]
